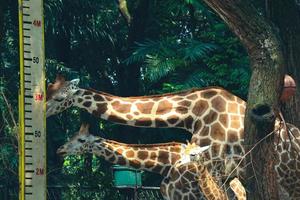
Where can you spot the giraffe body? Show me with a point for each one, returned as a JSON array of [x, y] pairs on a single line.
[[157, 158], [182, 176], [213, 116]]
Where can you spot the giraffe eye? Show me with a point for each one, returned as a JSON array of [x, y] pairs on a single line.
[[98, 140], [81, 140], [59, 99]]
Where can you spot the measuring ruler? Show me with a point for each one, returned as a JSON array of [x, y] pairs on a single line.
[[32, 106]]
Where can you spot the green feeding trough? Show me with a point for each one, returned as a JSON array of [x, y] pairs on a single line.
[[125, 177]]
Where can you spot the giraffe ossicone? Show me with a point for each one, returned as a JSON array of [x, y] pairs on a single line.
[[213, 115]]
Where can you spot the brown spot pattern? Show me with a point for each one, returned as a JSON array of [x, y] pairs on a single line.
[[181, 110], [184, 103], [98, 97], [149, 164], [219, 104], [117, 119], [197, 126], [145, 108], [200, 107], [205, 142], [205, 131], [162, 156], [79, 100], [122, 108], [208, 94], [188, 122], [101, 109], [87, 104], [129, 154], [135, 164], [143, 122], [173, 119], [223, 118], [232, 136], [177, 98], [160, 123], [227, 95], [233, 107], [164, 107], [142, 155], [217, 132], [192, 96], [86, 92], [210, 117], [216, 147], [234, 122]]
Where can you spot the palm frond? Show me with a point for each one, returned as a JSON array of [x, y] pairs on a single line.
[[195, 50], [197, 79], [158, 67]]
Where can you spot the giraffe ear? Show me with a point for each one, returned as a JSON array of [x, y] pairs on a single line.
[[75, 81], [84, 129]]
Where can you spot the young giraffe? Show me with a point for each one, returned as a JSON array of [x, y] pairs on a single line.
[[157, 158], [238, 189], [174, 161], [213, 115]]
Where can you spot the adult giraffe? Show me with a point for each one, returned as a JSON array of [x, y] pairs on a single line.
[[213, 115], [174, 161]]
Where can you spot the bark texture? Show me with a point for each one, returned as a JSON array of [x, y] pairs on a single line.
[[264, 50], [286, 16]]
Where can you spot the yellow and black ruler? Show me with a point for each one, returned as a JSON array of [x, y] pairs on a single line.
[[32, 106]]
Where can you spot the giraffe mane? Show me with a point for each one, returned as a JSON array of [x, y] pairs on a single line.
[[183, 92], [145, 145]]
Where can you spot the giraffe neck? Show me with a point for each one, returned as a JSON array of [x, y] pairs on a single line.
[[208, 186], [157, 158], [187, 110]]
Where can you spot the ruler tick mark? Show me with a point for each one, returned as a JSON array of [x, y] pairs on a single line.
[[27, 22]]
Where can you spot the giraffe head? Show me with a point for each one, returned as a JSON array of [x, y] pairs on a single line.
[[81, 143], [192, 152], [60, 95]]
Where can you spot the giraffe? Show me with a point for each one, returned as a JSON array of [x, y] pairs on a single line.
[[157, 158], [174, 161], [213, 115], [238, 189]]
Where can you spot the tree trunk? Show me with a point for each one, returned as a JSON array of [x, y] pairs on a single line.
[[286, 16], [266, 57]]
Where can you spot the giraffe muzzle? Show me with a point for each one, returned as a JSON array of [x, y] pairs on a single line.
[[61, 152]]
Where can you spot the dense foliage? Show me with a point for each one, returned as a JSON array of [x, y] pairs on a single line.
[[170, 45]]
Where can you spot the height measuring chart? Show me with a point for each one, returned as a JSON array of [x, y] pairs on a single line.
[[32, 107]]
